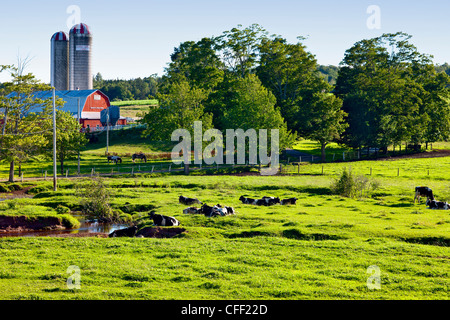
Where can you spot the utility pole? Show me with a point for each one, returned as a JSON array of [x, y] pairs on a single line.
[[78, 117], [107, 131], [54, 143]]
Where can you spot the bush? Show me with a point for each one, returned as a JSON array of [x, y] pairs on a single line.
[[4, 188], [95, 200], [351, 187]]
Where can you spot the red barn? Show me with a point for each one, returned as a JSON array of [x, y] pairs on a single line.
[[89, 103]]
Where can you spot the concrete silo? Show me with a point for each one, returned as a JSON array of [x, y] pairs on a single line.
[[80, 53], [59, 61]]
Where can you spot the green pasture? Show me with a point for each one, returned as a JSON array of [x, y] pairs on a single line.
[[320, 248], [127, 103]]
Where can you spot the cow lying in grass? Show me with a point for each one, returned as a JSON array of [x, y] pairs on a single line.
[[289, 201], [163, 221], [215, 211], [265, 201], [423, 192], [188, 201], [128, 232], [433, 204]]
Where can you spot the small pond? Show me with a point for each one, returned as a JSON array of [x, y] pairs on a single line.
[[86, 226]]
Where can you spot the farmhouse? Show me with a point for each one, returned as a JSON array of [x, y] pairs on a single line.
[[91, 104]]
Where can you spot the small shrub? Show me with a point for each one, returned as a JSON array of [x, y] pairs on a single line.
[[95, 199], [351, 187]]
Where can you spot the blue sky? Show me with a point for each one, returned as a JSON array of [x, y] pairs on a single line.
[[135, 38]]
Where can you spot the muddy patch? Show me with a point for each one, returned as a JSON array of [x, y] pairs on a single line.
[[23, 224]]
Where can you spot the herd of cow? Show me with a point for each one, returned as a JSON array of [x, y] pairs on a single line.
[[219, 210], [214, 211], [431, 202]]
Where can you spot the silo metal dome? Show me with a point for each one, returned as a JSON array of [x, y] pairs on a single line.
[[80, 28], [80, 53], [59, 61], [60, 36]]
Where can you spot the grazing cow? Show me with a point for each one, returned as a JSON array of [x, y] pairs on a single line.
[[128, 232], [191, 210], [433, 204], [423, 192], [115, 159], [163, 221], [188, 201], [288, 201]]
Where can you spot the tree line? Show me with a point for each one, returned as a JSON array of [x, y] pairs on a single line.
[[124, 90], [384, 92]]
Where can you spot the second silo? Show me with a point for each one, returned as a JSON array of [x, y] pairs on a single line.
[[80, 52], [59, 64]]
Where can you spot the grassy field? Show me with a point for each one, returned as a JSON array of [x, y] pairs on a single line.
[[320, 248]]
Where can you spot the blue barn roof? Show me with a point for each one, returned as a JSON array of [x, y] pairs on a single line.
[[69, 96]]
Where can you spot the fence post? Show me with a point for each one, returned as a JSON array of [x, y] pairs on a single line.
[[132, 170], [153, 167], [45, 175], [398, 172], [300, 159], [67, 173], [298, 169], [170, 167], [21, 176]]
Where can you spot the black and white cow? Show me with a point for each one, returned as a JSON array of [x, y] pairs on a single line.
[[188, 201], [127, 232], [265, 201], [423, 192], [270, 201], [247, 200], [289, 201], [163, 221], [216, 210], [433, 204]]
